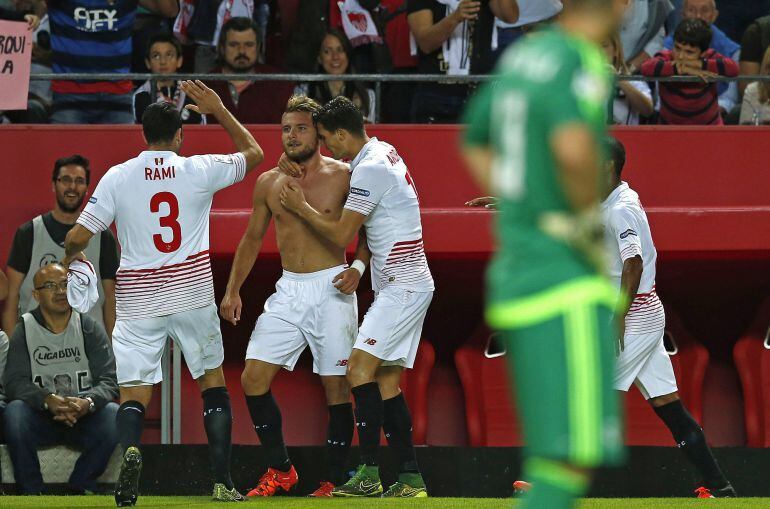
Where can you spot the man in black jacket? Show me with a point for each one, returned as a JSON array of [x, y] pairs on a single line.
[[60, 382]]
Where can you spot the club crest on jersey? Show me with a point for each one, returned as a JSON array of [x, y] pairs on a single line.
[[359, 192], [627, 233]]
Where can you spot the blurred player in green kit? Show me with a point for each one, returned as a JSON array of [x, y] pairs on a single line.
[[533, 139]]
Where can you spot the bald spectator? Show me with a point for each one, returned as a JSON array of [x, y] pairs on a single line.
[[754, 44], [251, 102], [60, 382], [706, 10], [41, 241]]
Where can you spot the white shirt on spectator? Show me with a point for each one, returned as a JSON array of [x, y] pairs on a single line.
[[752, 111], [634, 26], [621, 111], [532, 11]]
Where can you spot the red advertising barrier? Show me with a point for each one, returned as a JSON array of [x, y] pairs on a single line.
[[706, 189]]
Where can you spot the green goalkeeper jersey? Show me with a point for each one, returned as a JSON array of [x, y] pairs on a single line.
[[545, 81]]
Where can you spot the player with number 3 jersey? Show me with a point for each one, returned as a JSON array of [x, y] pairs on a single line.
[[160, 203]]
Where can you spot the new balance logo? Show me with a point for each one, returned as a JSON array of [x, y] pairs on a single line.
[[342, 362], [371, 342]]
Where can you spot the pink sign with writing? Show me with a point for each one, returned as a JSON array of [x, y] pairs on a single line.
[[15, 60]]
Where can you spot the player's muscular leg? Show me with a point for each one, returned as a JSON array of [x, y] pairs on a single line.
[[257, 377], [389, 378], [211, 378], [362, 367], [140, 393], [659, 401], [337, 389]]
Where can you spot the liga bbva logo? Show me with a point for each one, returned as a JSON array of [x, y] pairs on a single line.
[[45, 356]]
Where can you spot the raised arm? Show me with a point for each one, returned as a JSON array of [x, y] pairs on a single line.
[[207, 102], [506, 10], [430, 35], [248, 249]]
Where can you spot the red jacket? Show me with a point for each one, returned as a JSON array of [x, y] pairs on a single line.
[[262, 102], [689, 103]]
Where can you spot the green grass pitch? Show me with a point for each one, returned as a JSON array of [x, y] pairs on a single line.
[[95, 502]]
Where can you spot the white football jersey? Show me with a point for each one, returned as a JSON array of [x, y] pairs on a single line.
[[160, 203], [627, 234], [382, 189]]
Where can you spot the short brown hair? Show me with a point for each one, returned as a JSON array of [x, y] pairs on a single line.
[[302, 103]]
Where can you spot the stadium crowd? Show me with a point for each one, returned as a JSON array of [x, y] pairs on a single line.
[[441, 37]]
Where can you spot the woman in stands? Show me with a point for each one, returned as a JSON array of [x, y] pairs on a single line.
[[334, 58], [755, 109], [632, 98]]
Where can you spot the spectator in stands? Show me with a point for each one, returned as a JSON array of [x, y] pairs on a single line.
[[755, 109], [94, 36], [532, 14], [204, 24], [690, 103], [706, 10], [14, 15], [454, 38], [60, 382], [632, 98], [395, 56], [41, 241], [308, 30], [642, 32], [754, 44], [39, 98], [251, 102], [737, 15], [164, 56], [334, 58], [363, 22]]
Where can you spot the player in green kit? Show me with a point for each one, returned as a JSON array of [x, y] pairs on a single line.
[[533, 139]]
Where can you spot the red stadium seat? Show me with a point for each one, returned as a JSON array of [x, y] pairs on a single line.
[[752, 358], [491, 416], [303, 405], [489, 412], [643, 427]]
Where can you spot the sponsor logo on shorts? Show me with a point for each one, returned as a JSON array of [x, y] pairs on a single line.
[[342, 362], [627, 233], [92, 199], [360, 192], [371, 342]]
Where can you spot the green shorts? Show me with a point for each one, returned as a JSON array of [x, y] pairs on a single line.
[[561, 352]]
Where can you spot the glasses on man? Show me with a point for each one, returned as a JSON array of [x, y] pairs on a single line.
[[53, 286], [68, 181]]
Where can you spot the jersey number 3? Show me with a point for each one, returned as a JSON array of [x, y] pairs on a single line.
[[167, 221]]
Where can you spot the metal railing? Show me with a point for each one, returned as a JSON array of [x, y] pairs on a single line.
[[377, 79]]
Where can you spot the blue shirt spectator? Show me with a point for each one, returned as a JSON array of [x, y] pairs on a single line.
[[706, 10]]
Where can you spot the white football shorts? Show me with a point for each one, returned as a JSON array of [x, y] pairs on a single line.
[[306, 310], [138, 344], [392, 327], [645, 362]]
